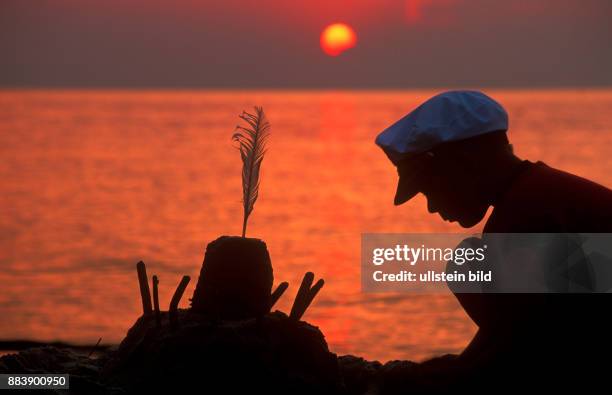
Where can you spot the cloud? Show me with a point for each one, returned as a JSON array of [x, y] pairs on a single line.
[[431, 13]]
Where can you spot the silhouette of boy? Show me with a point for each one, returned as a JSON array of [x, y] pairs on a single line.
[[454, 149]]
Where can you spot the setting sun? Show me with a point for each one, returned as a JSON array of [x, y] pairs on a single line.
[[337, 38]]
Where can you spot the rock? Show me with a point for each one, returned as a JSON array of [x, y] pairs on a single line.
[[235, 279]]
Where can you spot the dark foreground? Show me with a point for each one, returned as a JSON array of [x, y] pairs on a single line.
[[274, 354]]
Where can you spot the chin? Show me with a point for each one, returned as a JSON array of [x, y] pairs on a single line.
[[467, 223], [470, 221]]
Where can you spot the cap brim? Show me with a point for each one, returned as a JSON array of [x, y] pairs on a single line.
[[406, 189], [410, 172]]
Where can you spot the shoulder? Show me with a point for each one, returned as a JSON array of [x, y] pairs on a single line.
[[545, 199]]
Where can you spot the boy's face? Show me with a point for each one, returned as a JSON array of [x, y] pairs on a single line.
[[452, 192]]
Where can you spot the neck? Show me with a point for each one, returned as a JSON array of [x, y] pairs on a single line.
[[498, 176]]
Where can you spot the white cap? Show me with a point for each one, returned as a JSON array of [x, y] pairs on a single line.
[[449, 116]]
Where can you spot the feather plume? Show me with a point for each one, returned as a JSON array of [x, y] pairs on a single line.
[[252, 145]]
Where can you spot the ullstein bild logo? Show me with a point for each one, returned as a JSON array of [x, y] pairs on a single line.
[[490, 263]]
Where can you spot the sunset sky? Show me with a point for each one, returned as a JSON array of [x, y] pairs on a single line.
[[276, 43]]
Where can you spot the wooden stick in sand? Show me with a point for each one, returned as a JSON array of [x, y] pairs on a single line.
[[145, 294], [94, 348], [305, 296], [278, 292], [156, 301], [176, 298]]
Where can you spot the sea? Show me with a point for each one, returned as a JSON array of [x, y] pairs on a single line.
[[93, 181]]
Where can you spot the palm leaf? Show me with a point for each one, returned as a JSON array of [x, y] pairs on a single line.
[[252, 139]]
